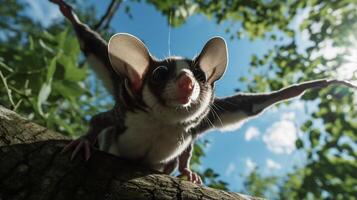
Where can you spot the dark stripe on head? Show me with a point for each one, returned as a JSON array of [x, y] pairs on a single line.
[[157, 79]]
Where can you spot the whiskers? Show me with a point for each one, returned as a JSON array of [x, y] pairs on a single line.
[[215, 114]]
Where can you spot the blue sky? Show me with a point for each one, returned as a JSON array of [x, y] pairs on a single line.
[[266, 141]]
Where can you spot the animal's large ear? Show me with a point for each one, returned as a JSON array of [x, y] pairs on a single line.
[[129, 57], [213, 59]]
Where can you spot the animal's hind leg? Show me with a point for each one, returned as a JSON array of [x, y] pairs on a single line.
[[170, 167]]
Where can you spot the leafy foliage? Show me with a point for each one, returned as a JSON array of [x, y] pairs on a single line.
[[41, 74], [45, 79], [330, 30], [257, 185]]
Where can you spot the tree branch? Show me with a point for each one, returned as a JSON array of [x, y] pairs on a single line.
[[32, 167], [107, 17]]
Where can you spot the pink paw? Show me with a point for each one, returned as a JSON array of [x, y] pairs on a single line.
[[191, 176], [77, 145]]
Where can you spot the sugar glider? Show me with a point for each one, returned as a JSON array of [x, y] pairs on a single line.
[[162, 106]]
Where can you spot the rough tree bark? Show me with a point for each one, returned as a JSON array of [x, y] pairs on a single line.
[[33, 167]]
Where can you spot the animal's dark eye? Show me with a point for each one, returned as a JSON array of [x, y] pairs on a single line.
[[199, 74], [160, 74]]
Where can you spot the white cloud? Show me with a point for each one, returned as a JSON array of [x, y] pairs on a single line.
[[349, 69], [316, 27], [230, 169], [288, 116], [300, 17], [272, 165], [297, 105], [251, 133], [250, 165], [327, 50], [281, 136], [43, 11]]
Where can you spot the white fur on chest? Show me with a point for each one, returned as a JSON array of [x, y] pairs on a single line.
[[150, 141]]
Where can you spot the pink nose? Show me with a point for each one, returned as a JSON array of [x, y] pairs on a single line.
[[185, 84]]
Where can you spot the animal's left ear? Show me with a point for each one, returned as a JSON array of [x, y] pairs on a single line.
[[213, 59], [129, 57]]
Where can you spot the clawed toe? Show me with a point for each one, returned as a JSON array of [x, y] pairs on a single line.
[[77, 145], [196, 178], [191, 176]]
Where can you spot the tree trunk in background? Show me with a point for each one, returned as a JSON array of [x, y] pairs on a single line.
[[32, 167]]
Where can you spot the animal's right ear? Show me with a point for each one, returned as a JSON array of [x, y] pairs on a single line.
[[213, 59], [129, 57]]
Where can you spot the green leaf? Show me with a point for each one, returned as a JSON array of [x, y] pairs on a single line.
[[3, 65], [45, 46], [71, 71], [299, 144], [71, 47], [52, 67], [69, 90], [31, 42], [44, 93], [8, 91]]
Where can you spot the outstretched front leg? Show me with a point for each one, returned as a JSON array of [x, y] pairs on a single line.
[[90, 40], [232, 110], [184, 166], [98, 123], [93, 46]]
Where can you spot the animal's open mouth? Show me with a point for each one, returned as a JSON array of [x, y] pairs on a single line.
[[184, 100], [179, 102]]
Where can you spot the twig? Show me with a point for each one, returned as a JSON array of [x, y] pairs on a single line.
[[107, 17], [8, 91]]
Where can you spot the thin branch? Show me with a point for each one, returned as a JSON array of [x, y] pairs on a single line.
[[107, 17], [8, 91]]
